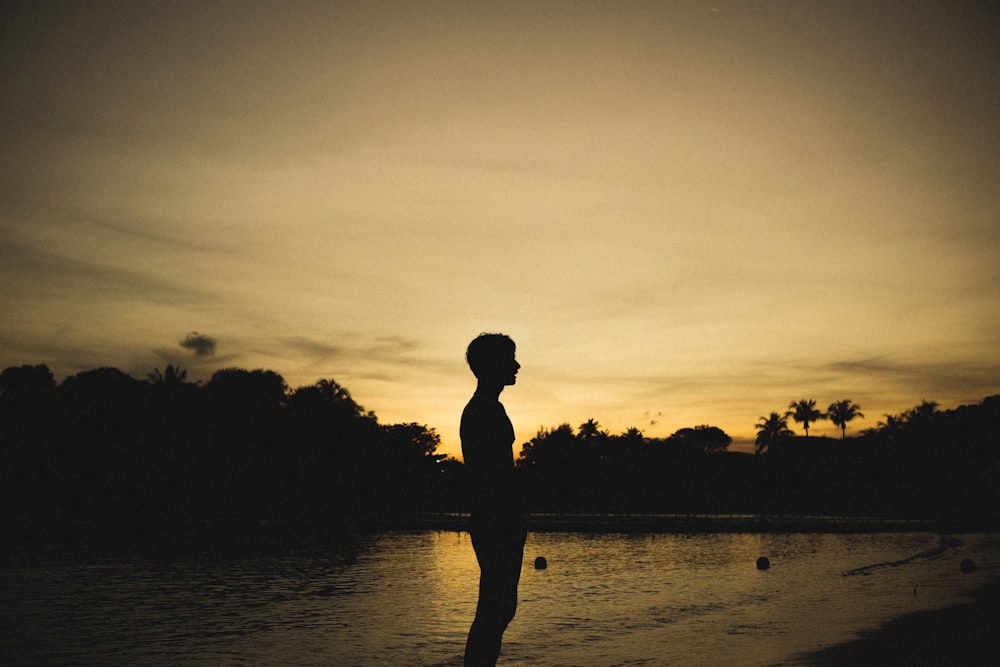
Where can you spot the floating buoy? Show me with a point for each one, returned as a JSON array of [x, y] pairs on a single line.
[[763, 563], [968, 565], [541, 563]]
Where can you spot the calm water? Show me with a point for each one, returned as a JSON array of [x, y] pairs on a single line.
[[408, 598]]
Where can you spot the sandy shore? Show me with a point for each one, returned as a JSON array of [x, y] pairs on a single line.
[[967, 634]]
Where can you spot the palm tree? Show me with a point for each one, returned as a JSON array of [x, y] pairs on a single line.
[[892, 423], [171, 375], [633, 436], [921, 413], [804, 412], [771, 429], [842, 412], [590, 430], [631, 443], [889, 429]]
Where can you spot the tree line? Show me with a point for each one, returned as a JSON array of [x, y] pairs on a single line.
[[775, 427], [924, 463], [104, 447]]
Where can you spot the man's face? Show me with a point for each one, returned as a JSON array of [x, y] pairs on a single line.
[[507, 369]]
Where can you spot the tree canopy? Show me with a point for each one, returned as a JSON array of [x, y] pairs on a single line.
[[805, 413], [104, 447]]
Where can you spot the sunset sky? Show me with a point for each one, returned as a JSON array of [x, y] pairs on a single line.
[[683, 212]]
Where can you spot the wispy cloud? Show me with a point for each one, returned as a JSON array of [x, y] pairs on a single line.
[[314, 349], [32, 271], [939, 379]]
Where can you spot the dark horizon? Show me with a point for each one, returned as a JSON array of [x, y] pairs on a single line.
[[104, 449]]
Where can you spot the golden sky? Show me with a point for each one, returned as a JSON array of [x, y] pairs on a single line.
[[683, 212]]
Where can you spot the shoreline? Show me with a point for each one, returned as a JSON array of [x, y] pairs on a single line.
[[697, 523], [25, 543], [963, 634]]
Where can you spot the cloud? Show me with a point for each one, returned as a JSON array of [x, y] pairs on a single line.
[[37, 274], [202, 345], [946, 379], [311, 348]]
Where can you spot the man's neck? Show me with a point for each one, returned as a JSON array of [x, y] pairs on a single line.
[[489, 390]]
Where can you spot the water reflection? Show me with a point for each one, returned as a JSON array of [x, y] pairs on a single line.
[[408, 598]]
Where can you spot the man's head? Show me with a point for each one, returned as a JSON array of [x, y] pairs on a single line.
[[491, 358]]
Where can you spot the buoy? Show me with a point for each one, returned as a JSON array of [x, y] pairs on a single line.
[[763, 563], [968, 565], [541, 563]]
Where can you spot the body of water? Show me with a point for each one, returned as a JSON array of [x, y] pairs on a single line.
[[407, 598]]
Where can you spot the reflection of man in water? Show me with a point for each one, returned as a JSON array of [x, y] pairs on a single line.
[[497, 524]]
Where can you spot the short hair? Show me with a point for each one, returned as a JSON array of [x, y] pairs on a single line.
[[486, 350]]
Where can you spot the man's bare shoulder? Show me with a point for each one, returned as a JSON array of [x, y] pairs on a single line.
[[482, 404], [483, 415]]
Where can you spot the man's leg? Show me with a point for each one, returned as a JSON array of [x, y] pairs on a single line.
[[500, 554]]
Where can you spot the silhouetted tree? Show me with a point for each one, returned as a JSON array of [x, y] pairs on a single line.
[[590, 430], [702, 439], [26, 396], [417, 440], [25, 383], [247, 440], [326, 405], [549, 448], [338, 450], [842, 412], [247, 391], [892, 424], [408, 466], [555, 466], [771, 430], [178, 437], [921, 414], [632, 443], [28, 428], [103, 442], [804, 412], [633, 436], [105, 448], [172, 375]]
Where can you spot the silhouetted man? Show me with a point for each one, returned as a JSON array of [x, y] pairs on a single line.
[[497, 523]]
